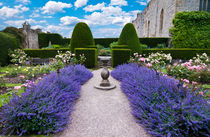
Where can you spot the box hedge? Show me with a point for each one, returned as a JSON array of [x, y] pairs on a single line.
[[44, 39], [129, 37], [90, 55], [120, 56], [6, 42], [184, 53], [191, 30], [105, 42], [44, 53], [81, 37]]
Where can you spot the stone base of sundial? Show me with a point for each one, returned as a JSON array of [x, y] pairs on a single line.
[[105, 84]]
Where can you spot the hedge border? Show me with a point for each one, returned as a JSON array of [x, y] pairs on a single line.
[[91, 55], [120, 56]]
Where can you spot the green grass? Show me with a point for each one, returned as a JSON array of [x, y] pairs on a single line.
[[12, 85], [206, 86], [5, 98]]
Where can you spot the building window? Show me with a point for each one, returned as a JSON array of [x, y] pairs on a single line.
[[161, 20], [205, 5]]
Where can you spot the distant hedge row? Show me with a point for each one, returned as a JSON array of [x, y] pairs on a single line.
[[44, 39]]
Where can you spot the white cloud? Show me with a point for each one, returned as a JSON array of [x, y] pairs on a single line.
[[80, 3], [18, 23], [107, 32], [1, 4], [69, 21], [143, 2], [24, 1], [51, 7], [119, 2], [34, 15], [7, 12], [91, 8]]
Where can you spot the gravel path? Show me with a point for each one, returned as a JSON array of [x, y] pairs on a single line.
[[101, 113]]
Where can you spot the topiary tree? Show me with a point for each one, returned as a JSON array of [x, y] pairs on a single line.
[[6, 42], [129, 37], [17, 33], [191, 30], [81, 37]]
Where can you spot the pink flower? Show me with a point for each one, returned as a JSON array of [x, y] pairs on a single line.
[[44, 74], [64, 61], [142, 59], [17, 87], [149, 65], [39, 78], [24, 85], [22, 76], [175, 64], [201, 93], [187, 81], [169, 66], [184, 86], [73, 54], [194, 83]]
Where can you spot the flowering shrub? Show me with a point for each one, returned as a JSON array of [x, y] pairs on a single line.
[[161, 104], [154, 60], [44, 108], [193, 69], [18, 56]]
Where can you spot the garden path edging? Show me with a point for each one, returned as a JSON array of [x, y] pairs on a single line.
[[99, 113]]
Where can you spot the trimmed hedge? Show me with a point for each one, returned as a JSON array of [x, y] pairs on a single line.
[[191, 30], [129, 37], [44, 53], [120, 56], [153, 42], [184, 53], [16, 33], [6, 42], [120, 47], [81, 36], [90, 55], [44, 39], [105, 42]]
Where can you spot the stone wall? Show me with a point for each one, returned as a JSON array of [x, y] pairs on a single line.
[[156, 19]]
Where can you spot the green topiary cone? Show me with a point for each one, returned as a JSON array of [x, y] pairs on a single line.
[[129, 37], [81, 37]]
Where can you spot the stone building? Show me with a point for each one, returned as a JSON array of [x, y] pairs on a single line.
[[31, 36], [156, 19]]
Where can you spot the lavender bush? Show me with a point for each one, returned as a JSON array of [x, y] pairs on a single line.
[[45, 107], [161, 104]]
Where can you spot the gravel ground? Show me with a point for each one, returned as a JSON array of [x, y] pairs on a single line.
[[101, 113]]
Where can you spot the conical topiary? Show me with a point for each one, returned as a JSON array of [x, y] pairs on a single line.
[[81, 37], [129, 37]]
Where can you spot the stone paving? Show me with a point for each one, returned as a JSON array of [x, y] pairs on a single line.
[[100, 113]]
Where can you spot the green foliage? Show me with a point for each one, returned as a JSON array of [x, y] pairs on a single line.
[[2, 83], [184, 53], [202, 76], [113, 44], [6, 42], [161, 45], [120, 56], [44, 39], [105, 41], [153, 42], [90, 55], [191, 30], [44, 53], [16, 33], [81, 37], [129, 37], [120, 47], [144, 46]]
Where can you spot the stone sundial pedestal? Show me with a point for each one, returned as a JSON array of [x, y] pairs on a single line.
[[105, 84]]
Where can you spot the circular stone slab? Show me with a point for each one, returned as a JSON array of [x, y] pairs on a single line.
[[112, 86]]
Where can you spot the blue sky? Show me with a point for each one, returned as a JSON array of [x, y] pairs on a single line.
[[106, 18]]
